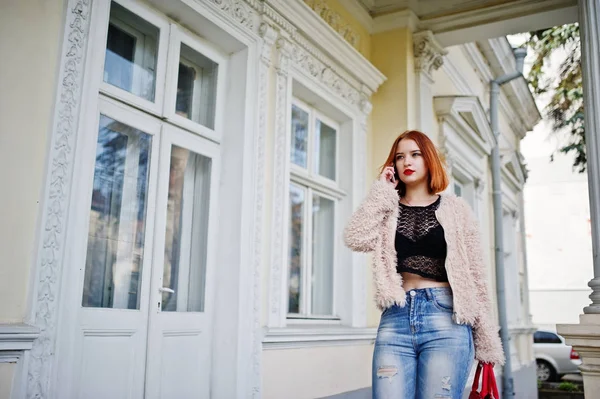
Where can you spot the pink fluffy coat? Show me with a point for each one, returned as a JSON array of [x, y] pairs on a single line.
[[372, 228]]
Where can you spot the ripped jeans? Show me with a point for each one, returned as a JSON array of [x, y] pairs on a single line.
[[420, 353]]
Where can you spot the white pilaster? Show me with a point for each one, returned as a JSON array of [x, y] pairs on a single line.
[[429, 56]]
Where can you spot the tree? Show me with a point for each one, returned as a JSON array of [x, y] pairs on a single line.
[[565, 107]]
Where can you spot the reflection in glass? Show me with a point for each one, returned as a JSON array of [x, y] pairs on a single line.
[[196, 87], [299, 148], [323, 214], [115, 247], [186, 232], [325, 154], [295, 254], [131, 48]]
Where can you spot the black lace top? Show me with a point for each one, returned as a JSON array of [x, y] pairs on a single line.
[[420, 242]]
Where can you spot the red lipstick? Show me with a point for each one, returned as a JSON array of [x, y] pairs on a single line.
[[408, 172]]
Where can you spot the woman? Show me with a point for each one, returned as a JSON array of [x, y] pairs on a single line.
[[429, 276]]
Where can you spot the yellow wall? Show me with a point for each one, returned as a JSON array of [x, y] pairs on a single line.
[[30, 32], [332, 370], [393, 105]]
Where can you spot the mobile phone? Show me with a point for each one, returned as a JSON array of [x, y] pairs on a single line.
[[396, 176]]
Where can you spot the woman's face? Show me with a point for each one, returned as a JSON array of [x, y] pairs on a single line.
[[410, 163]]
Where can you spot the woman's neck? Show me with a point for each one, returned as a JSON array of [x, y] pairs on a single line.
[[418, 195]]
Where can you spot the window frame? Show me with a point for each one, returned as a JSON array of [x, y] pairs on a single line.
[[153, 107], [309, 173], [178, 37]]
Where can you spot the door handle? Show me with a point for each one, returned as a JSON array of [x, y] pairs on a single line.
[[166, 289]]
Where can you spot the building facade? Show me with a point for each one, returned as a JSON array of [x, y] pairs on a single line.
[[179, 174]]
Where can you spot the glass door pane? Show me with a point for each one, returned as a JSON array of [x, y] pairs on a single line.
[[296, 259], [115, 248], [299, 147], [186, 236], [323, 224]]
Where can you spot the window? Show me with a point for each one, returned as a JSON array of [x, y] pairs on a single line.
[[314, 198], [458, 189], [117, 247], [131, 49], [117, 217], [545, 337]]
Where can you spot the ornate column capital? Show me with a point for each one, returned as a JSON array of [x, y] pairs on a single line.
[[285, 50], [428, 53], [269, 35]]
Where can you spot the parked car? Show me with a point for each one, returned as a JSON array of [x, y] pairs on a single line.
[[553, 356]]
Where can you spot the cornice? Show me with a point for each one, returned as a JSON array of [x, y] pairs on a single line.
[[396, 20], [360, 13], [514, 111], [336, 21], [324, 40]]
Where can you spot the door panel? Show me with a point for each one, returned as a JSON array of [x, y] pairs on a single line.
[[115, 277], [179, 331]]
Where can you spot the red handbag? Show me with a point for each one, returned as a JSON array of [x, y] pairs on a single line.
[[489, 390]]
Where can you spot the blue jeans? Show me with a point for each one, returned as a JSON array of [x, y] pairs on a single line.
[[420, 353]]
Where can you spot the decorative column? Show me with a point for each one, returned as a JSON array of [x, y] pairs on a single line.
[[585, 336], [429, 56], [281, 167]]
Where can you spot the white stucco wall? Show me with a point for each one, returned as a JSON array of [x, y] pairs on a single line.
[[332, 370], [30, 33], [559, 248]]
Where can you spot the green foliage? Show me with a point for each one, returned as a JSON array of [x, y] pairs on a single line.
[[568, 387], [565, 108]]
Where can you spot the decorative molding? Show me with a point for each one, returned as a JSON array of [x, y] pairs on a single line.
[[325, 42], [17, 337], [335, 20], [360, 13], [280, 187], [58, 186], [316, 69], [238, 10], [299, 337], [451, 109], [500, 55], [428, 53], [269, 35], [512, 111]]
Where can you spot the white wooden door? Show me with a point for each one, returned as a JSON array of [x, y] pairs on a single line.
[[178, 361], [112, 321]]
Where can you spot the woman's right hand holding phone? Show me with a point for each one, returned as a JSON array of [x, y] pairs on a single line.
[[387, 175]]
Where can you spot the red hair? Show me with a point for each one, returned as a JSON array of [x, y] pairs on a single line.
[[437, 179]]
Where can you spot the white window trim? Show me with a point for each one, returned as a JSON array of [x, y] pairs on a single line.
[[314, 184], [305, 302], [152, 17], [181, 36], [351, 286]]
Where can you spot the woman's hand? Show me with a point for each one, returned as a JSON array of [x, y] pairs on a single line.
[[387, 175]]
